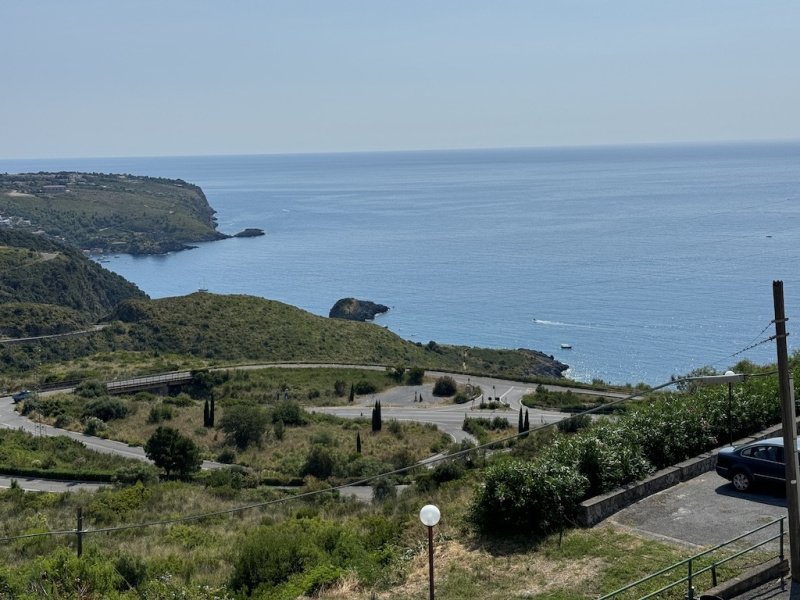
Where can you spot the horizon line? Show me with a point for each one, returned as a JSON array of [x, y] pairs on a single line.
[[619, 145]]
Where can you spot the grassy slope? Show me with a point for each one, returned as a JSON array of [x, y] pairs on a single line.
[[246, 328]]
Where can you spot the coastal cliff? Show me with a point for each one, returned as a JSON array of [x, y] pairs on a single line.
[[102, 213]]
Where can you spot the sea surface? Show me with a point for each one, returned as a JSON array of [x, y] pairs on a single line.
[[649, 261]]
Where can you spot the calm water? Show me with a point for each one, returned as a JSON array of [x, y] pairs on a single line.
[[649, 261]]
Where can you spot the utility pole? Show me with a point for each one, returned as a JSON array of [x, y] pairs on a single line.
[[789, 430]]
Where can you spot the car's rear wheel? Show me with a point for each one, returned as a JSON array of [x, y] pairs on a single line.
[[741, 481]]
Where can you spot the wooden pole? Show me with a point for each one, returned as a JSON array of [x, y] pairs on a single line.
[[789, 430], [79, 531]]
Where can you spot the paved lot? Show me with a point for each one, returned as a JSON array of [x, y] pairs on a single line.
[[704, 511]]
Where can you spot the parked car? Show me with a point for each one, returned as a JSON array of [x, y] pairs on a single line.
[[21, 395], [756, 462]]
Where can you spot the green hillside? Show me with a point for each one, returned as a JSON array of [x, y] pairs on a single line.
[[246, 328], [108, 213], [47, 288], [35, 270]]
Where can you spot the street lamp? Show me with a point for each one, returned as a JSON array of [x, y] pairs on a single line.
[[730, 378], [430, 515]]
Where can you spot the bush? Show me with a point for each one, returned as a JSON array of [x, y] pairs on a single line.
[[319, 463], [158, 413], [290, 412], [364, 387], [227, 456], [395, 428], [244, 425], [445, 386], [520, 497], [604, 455], [574, 424], [415, 376], [106, 408], [182, 400], [133, 571], [383, 489], [133, 473], [295, 558], [340, 388], [91, 388], [278, 429], [94, 426]]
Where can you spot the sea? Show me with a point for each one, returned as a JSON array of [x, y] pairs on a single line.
[[647, 261]]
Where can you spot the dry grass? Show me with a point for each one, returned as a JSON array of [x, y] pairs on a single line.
[[461, 572]]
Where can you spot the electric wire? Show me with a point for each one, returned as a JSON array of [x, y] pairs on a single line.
[[366, 480], [363, 481]]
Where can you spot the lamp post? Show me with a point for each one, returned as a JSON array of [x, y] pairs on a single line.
[[430, 515], [730, 378]]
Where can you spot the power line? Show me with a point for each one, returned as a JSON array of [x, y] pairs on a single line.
[[363, 481]]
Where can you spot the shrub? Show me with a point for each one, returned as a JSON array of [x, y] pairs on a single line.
[[94, 426], [364, 387], [445, 386], [319, 463], [106, 408], [603, 455], [133, 571], [290, 412], [182, 400], [158, 413], [574, 424], [415, 376], [340, 388], [521, 497], [91, 388], [395, 428], [383, 489], [278, 429], [296, 557], [244, 425], [227, 456], [133, 473]]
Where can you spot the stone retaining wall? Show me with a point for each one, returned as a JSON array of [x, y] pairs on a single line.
[[594, 510]]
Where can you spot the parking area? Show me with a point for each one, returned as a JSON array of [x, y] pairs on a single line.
[[702, 512]]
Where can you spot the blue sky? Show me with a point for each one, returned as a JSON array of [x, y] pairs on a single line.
[[184, 77]]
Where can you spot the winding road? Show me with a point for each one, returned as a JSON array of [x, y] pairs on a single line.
[[396, 403]]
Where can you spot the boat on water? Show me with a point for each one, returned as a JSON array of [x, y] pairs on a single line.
[[566, 346]]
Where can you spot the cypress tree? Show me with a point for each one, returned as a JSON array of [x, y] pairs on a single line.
[[527, 424], [520, 425], [352, 393], [205, 413], [380, 416], [211, 413], [375, 418], [358, 442]]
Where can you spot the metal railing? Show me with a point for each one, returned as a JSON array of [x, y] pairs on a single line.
[[690, 564], [152, 380]]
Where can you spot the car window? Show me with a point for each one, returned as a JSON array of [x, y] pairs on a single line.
[[769, 453]]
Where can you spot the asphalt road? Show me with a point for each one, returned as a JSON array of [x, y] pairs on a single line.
[[704, 511], [399, 403], [11, 419], [396, 403]]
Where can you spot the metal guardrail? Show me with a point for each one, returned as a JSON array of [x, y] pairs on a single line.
[[149, 381], [690, 563]]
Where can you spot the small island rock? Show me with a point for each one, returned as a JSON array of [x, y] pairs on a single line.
[[250, 232], [356, 310]]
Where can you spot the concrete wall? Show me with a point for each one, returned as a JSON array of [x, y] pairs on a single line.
[[594, 510]]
